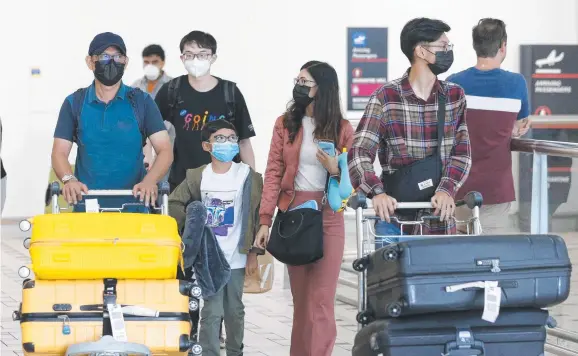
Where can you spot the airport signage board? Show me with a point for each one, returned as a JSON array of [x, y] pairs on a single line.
[[366, 64], [551, 72]]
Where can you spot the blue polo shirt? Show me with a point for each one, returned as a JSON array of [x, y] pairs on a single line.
[[110, 152]]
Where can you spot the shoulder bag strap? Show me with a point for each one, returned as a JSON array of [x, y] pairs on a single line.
[[441, 113]]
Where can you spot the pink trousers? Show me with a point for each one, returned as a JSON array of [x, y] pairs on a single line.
[[313, 287]]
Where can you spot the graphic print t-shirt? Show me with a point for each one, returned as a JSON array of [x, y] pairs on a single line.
[[197, 109], [222, 196]]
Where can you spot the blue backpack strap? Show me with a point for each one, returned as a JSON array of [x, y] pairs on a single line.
[[77, 104], [137, 101]]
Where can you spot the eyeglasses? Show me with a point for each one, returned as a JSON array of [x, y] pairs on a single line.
[[446, 48], [106, 58], [202, 56], [223, 138], [303, 81]]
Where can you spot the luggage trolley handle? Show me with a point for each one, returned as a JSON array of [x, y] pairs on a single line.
[[55, 191], [473, 200], [107, 344]]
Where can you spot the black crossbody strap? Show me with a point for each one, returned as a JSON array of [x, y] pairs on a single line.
[[441, 113]]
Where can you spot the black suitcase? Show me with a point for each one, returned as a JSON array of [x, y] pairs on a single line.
[[411, 277], [516, 332]]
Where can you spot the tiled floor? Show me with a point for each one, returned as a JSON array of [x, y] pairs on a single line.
[[268, 316]]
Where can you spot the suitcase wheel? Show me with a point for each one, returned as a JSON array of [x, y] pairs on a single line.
[[193, 304], [15, 315], [361, 264], [196, 349], [364, 317], [394, 309], [390, 254], [24, 272], [196, 292]]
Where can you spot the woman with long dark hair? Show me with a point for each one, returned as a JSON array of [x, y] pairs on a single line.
[[297, 171]]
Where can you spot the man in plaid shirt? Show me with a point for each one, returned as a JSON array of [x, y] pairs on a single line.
[[400, 125]]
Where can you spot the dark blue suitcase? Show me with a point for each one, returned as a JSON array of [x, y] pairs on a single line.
[[516, 332], [412, 277]]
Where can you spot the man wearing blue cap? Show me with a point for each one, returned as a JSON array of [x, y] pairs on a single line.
[[110, 122]]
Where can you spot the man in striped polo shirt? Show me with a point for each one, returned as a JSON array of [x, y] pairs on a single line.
[[497, 110]]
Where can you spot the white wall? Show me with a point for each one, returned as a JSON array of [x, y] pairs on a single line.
[[261, 45]]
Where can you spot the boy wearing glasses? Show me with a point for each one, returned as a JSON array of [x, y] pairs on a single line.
[[110, 132], [230, 193], [191, 101]]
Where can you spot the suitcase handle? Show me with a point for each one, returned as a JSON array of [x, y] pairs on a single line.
[[501, 284], [108, 344], [465, 347]]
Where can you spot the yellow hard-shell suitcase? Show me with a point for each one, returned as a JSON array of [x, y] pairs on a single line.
[[48, 306], [104, 245]]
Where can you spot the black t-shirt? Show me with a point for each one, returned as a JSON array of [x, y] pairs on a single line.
[[197, 109]]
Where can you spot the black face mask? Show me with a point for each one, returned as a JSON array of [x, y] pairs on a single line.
[[444, 61], [108, 74], [301, 96]]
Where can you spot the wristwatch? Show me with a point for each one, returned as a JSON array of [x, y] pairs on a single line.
[[67, 178], [376, 190]]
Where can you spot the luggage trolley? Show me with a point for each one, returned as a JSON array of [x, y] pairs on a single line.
[[365, 236], [107, 345]]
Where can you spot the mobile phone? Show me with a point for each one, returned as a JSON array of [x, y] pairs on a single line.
[[327, 147]]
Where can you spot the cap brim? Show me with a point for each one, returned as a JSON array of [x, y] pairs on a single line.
[[103, 48]]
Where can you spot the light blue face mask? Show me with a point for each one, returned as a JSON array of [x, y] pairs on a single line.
[[226, 151]]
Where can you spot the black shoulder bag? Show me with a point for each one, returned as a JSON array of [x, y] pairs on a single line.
[[297, 235], [419, 181]]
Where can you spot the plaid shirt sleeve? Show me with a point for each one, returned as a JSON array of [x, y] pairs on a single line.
[[365, 146], [460, 160]]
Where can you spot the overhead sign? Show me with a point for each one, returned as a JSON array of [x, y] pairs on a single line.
[[551, 72], [366, 64]]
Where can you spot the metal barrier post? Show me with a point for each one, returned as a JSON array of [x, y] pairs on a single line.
[[539, 194]]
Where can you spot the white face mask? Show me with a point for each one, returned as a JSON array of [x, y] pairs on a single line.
[[198, 68], [151, 72]]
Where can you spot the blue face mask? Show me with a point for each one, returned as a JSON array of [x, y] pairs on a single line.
[[225, 152]]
